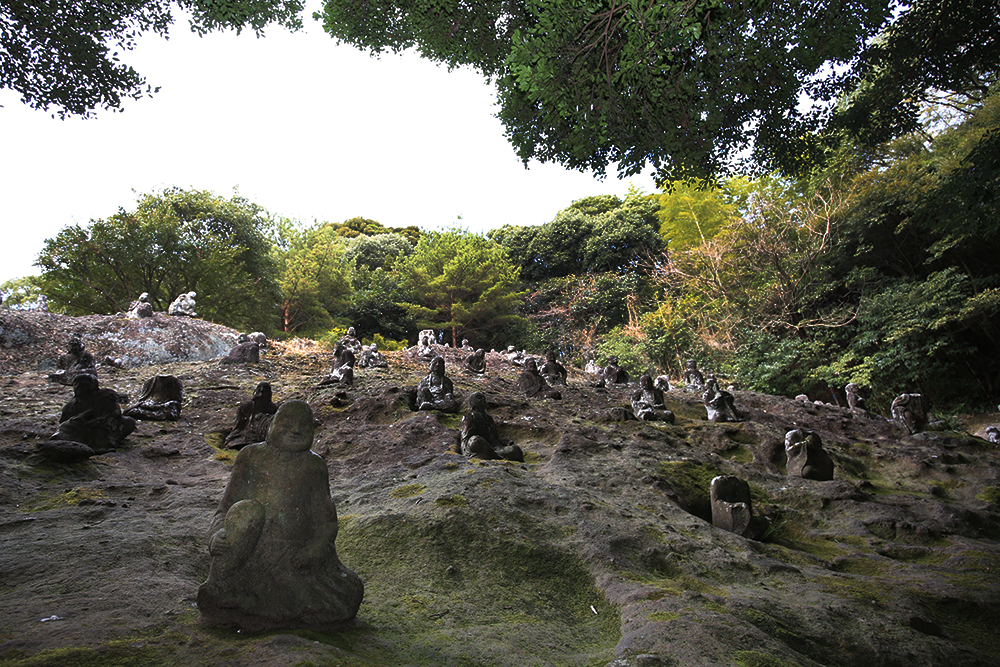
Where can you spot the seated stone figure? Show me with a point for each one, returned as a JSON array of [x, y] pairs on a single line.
[[351, 342], [140, 308], [910, 412], [993, 434], [732, 508], [720, 404], [515, 357], [533, 384], [183, 306], [160, 399], [806, 456], [854, 399], [475, 363], [342, 372], [592, 367], [272, 540], [466, 346], [693, 378], [613, 373], [436, 391], [92, 417], [662, 382], [258, 337], [425, 345], [480, 437], [553, 372], [647, 402], [372, 358], [252, 418], [76, 361], [244, 353]]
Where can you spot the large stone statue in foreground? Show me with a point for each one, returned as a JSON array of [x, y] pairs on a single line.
[[806, 457], [274, 561], [480, 437]]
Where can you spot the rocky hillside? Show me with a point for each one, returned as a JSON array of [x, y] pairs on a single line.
[[597, 550]]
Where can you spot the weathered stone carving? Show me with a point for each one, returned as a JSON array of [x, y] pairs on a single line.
[[806, 457], [274, 558], [160, 399], [92, 418], [693, 378], [244, 353], [592, 367], [910, 412], [720, 404], [533, 384], [351, 342], [662, 382], [993, 434], [258, 337], [372, 358], [732, 508], [480, 437], [553, 371], [76, 361], [647, 402], [475, 363], [140, 308], [342, 371], [183, 306], [436, 391], [425, 345], [466, 346], [515, 357], [252, 418], [613, 373]]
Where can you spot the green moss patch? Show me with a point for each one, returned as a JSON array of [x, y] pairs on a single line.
[[990, 494], [116, 654], [451, 501], [69, 498], [217, 440], [407, 490], [664, 616], [454, 591], [758, 659]]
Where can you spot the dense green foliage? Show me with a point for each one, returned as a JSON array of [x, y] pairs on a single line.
[[65, 54], [175, 241], [463, 283]]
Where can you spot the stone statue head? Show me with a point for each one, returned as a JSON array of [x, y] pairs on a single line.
[[75, 345], [144, 297], [646, 381], [373, 347], [510, 348], [437, 367], [477, 401], [550, 356], [263, 391], [292, 428], [530, 366], [350, 331], [192, 294], [84, 385]]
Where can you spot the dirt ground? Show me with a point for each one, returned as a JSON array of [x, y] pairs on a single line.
[[597, 550]]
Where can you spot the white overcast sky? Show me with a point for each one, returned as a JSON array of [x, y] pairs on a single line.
[[301, 126]]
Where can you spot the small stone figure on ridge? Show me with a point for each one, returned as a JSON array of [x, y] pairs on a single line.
[[553, 371], [342, 372], [806, 457], [372, 358], [475, 363], [647, 402], [425, 345], [76, 361], [613, 373], [534, 385], [140, 308], [272, 541], [244, 353], [351, 342], [160, 400], [720, 404], [252, 418], [436, 391], [480, 437], [910, 412], [183, 306], [993, 434], [693, 378]]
